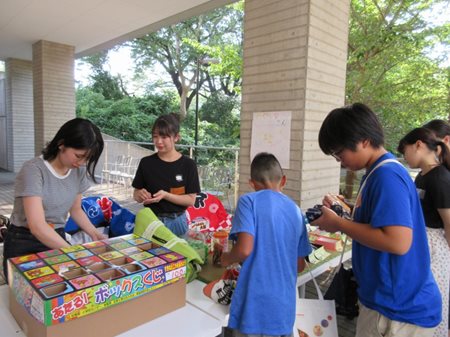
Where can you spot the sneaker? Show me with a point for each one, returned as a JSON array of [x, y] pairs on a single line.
[[220, 291], [4, 224]]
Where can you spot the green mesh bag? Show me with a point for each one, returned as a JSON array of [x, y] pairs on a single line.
[[151, 228]]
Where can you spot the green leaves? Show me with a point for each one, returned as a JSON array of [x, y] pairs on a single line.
[[388, 65], [178, 48], [129, 118]]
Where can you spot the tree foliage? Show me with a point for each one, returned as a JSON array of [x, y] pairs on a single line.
[[183, 50], [102, 82], [129, 118], [388, 67]]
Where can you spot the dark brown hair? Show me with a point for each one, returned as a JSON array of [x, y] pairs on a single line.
[[439, 127], [167, 125], [427, 137], [81, 134]]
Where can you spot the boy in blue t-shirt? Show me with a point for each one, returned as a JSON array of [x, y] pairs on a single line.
[[271, 244], [391, 261]]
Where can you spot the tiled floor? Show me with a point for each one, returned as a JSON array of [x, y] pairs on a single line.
[[123, 197]]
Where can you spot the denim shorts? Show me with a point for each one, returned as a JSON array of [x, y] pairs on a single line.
[[177, 223], [19, 241]]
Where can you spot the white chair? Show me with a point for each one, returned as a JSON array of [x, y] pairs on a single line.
[[219, 183], [110, 167], [120, 168], [128, 174], [203, 176]]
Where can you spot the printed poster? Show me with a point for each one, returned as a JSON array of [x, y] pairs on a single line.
[[271, 132]]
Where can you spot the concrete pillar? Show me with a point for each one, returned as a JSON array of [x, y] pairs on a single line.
[[19, 113], [54, 89], [295, 55]]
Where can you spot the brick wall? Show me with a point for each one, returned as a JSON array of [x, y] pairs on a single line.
[[19, 113], [294, 60], [54, 89]]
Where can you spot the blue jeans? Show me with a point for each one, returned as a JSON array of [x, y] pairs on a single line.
[[177, 224]]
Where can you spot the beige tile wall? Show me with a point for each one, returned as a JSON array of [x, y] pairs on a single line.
[[54, 89], [19, 113], [295, 60]]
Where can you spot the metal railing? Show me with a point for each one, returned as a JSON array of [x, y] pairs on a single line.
[[211, 161], [216, 159], [350, 180]]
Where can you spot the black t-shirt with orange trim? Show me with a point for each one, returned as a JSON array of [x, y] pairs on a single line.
[[177, 177]]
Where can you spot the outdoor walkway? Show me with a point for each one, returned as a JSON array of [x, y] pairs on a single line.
[[124, 198]]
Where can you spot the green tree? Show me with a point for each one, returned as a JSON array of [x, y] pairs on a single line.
[[129, 118], [182, 49], [388, 67], [111, 87], [387, 64]]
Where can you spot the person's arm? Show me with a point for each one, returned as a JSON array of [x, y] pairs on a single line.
[[445, 216], [34, 212], [301, 264], [395, 239], [81, 219], [240, 251], [182, 200], [141, 194]]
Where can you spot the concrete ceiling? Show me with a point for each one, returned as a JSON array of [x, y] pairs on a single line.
[[89, 25]]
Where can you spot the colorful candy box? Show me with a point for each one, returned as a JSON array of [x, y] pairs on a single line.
[[61, 285]]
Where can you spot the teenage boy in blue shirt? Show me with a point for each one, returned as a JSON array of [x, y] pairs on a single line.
[[271, 244], [397, 292]]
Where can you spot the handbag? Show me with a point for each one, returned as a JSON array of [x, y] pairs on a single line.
[[315, 317], [4, 224], [343, 289]]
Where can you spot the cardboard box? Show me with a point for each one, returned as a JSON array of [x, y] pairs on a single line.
[[109, 322], [59, 286], [330, 241]]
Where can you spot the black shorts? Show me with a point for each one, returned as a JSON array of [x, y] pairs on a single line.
[[19, 241]]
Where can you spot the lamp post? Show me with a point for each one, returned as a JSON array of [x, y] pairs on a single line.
[[200, 61], [196, 106]]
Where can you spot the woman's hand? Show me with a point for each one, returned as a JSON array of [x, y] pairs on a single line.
[[97, 236], [35, 214], [141, 195], [157, 197], [81, 219]]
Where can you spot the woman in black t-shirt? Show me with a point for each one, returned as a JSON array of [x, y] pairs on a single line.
[[441, 130], [167, 181], [423, 150]]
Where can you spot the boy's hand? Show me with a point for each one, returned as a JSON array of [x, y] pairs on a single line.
[[217, 255], [225, 259], [329, 221]]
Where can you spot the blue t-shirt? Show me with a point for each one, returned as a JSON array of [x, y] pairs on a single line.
[[265, 296], [401, 287]]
